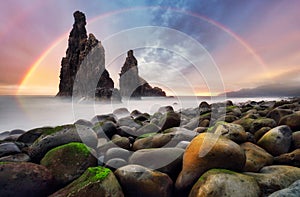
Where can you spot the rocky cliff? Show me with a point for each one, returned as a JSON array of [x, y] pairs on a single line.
[[131, 84], [83, 72]]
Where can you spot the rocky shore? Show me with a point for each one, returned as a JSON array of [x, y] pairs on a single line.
[[222, 149]]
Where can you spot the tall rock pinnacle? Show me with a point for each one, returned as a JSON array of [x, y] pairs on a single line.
[[131, 84], [83, 70]]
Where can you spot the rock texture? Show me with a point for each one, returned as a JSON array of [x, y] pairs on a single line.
[[131, 84], [96, 181], [25, 179], [208, 151], [87, 52], [220, 182]]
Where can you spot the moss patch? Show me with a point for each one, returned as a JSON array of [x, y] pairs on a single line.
[[71, 149], [98, 173], [222, 171], [215, 171], [91, 175], [56, 129], [146, 135]]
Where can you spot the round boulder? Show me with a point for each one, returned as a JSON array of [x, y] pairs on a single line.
[[292, 120], [95, 181], [231, 131], [273, 178], [220, 182], [59, 136], [292, 158], [166, 160], [8, 148], [169, 120], [262, 122], [207, 151], [296, 140], [256, 157], [68, 162], [292, 191], [137, 180], [25, 179], [277, 141]]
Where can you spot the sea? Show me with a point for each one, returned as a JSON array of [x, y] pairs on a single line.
[[28, 112]]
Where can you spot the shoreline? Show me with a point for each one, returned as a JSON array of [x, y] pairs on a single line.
[[243, 146], [29, 112]]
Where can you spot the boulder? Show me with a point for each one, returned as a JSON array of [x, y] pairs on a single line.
[[121, 142], [262, 122], [19, 157], [261, 132], [169, 139], [182, 144], [292, 158], [121, 113], [273, 178], [292, 120], [231, 131], [25, 179], [277, 113], [153, 141], [277, 141], [30, 136], [220, 182], [137, 180], [8, 148], [256, 157], [166, 160], [129, 122], [68, 162], [126, 131], [292, 191], [169, 120], [245, 123], [296, 140], [117, 153], [105, 129], [147, 128], [115, 163], [207, 151], [59, 136], [84, 123], [204, 107], [95, 181]]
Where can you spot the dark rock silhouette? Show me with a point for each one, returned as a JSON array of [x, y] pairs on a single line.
[[83, 72], [131, 84]]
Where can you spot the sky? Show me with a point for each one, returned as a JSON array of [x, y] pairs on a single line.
[[186, 47]]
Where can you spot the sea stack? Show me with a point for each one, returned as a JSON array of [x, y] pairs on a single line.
[[83, 72], [131, 84]]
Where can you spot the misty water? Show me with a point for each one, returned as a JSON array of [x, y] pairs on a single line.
[[28, 112]]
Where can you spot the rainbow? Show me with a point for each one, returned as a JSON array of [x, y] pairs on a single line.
[[36, 64]]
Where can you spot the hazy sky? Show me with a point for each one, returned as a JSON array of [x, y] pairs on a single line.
[[184, 46]]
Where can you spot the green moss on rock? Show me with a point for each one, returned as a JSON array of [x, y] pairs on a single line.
[[146, 135], [53, 130], [91, 175], [98, 173], [73, 148]]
